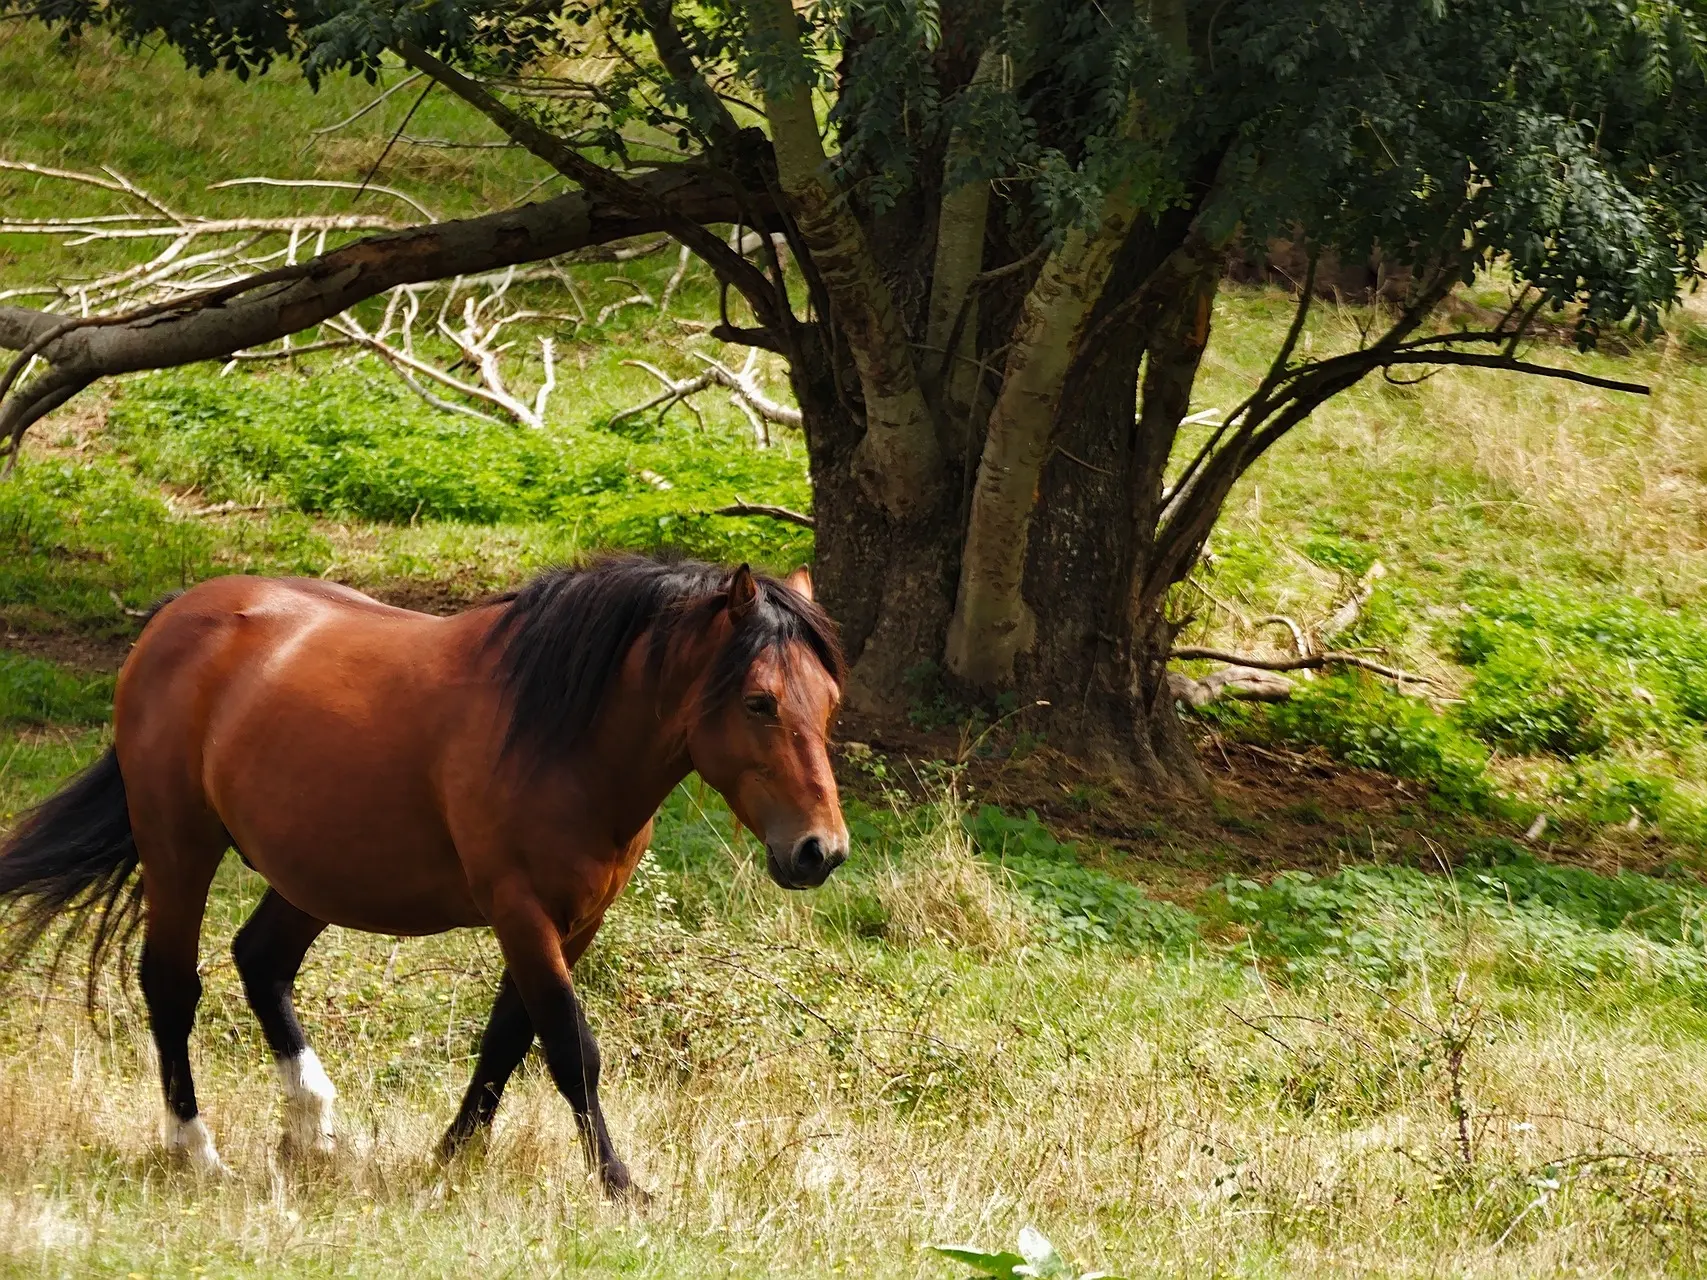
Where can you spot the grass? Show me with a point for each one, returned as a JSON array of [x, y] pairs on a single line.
[[1462, 1055], [174, 134], [825, 1084]]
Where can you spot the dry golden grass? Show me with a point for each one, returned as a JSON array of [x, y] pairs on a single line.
[[801, 1102]]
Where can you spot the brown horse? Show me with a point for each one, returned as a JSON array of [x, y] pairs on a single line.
[[405, 774]]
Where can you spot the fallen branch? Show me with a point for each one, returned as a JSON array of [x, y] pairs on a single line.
[[639, 297], [743, 390], [1345, 617], [675, 281], [284, 353], [206, 306], [360, 112], [228, 508], [676, 391], [1244, 683], [744, 385], [125, 608], [451, 144], [1300, 645], [1312, 662], [739, 508], [393, 192]]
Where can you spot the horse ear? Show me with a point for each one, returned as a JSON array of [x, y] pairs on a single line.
[[801, 581], [743, 593]]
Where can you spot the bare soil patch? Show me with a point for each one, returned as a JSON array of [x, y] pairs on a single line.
[[89, 653]]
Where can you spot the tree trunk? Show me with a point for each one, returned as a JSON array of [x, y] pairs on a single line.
[[1103, 674], [1100, 666], [888, 581]]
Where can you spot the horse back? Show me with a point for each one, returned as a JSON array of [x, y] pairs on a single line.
[[310, 721]]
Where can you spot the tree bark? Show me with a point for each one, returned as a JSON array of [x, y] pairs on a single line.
[[887, 581], [1101, 666], [992, 623], [951, 329], [899, 457]]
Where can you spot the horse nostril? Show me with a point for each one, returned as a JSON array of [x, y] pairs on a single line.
[[809, 856]]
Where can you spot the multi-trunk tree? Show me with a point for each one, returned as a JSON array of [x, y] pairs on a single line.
[[1002, 229]]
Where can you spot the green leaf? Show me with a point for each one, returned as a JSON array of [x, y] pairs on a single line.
[[1002, 1265]]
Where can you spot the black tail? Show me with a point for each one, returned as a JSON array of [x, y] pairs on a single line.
[[72, 857]]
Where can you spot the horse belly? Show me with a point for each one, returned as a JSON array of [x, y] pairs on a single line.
[[332, 803]]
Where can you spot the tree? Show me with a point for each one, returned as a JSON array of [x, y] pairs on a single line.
[[1009, 223]]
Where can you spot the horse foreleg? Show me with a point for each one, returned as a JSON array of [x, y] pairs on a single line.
[[540, 971], [269, 950], [505, 1042]]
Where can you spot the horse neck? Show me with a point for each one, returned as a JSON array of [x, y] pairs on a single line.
[[638, 751]]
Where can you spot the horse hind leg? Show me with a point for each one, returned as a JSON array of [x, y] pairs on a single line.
[[174, 904], [269, 951]]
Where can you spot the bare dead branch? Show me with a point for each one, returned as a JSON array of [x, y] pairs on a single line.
[[225, 509], [204, 307], [204, 227], [675, 281], [451, 144], [308, 348], [1300, 645], [676, 390], [745, 386], [112, 182], [393, 192], [743, 389], [357, 115], [639, 296], [1345, 617], [1243, 683], [1310, 662], [739, 508]]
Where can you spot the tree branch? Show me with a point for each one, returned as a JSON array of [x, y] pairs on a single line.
[[1263, 419], [265, 307], [362, 111], [1308, 662], [393, 192], [739, 508], [951, 320], [1473, 360], [612, 186], [900, 457], [705, 108]]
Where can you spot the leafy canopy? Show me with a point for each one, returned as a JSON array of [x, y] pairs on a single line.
[[1564, 135]]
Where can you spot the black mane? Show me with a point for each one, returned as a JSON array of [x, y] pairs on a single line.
[[562, 638]]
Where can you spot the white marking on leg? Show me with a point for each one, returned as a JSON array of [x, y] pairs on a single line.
[[308, 1103], [191, 1140]]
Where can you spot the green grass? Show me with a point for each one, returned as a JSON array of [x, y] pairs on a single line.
[[33, 691], [355, 445]]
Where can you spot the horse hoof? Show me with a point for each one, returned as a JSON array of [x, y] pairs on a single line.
[[620, 1188], [454, 1145], [190, 1143], [305, 1150]]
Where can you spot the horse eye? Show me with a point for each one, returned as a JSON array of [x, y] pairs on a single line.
[[762, 704]]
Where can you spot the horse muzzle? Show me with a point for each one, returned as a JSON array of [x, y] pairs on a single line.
[[808, 863]]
